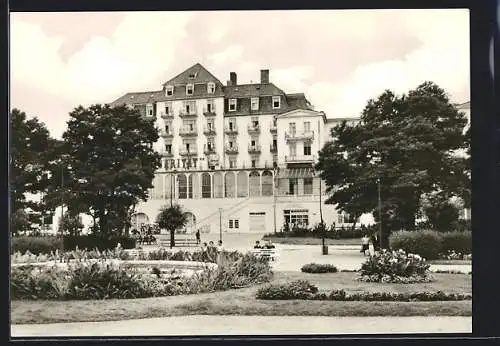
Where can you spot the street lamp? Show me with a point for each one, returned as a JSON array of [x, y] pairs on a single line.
[[220, 224], [379, 214], [275, 173], [324, 248]]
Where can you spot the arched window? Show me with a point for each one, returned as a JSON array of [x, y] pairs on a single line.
[[181, 178], [196, 185], [206, 185], [267, 183], [218, 192], [230, 184], [242, 184], [190, 186], [158, 187], [254, 185]]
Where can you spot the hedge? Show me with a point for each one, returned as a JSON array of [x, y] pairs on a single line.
[[316, 268], [460, 242], [35, 245]]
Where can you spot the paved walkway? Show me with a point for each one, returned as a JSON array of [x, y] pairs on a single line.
[[250, 325]]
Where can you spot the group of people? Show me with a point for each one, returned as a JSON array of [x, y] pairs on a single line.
[[369, 244], [267, 245], [210, 251]]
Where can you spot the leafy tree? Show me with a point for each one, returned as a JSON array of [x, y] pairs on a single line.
[[31, 149], [71, 224], [108, 164], [408, 143], [442, 215], [171, 218]]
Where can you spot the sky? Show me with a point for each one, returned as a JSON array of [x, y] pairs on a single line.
[[339, 58]]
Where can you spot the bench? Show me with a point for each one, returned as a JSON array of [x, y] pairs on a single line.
[[180, 243], [146, 240], [265, 253]]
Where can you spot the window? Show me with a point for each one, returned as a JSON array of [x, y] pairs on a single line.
[[267, 183], [210, 106], [307, 126], [292, 128], [190, 107], [210, 145], [232, 105], [231, 124], [230, 223], [293, 149], [193, 75], [254, 163], [189, 89], [308, 186], [232, 163], [297, 217], [234, 223], [254, 102], [307, 149], [170, 90], [168, 108], [182, 181], [255, 122], [167, 128], [211, 88], [292, 186], [189, 125], [168, 148], [149, 109], [206, 185], [276, 102]]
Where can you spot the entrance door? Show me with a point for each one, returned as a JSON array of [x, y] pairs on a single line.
[[257, 221]]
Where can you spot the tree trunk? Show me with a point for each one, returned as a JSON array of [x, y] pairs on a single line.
[[172, 238]]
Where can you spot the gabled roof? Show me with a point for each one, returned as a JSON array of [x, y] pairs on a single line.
[[200, 73], [249, 90], [302, 112], [138, 98]]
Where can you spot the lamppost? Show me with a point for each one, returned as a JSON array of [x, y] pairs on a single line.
[[275, 174], [220, 224], [324, 248], [61, 222], [379, 214]]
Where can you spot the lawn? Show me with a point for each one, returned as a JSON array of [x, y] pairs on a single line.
[[312, 241], [451, 262], [243, 302]]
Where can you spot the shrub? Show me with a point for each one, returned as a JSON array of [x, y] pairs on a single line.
[[95, 241], [38, 283], [318, 268], [424, 243], [299, 289], [395, 266], [457, 241], [35, 245]]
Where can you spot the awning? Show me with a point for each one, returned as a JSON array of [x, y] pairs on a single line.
[[291, 173]]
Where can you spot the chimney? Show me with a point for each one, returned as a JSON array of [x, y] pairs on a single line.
[[228, 83], [233, 78], [264, 76]]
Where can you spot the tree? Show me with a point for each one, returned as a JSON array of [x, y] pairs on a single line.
[[442, 214], [71, 224], [171, 218], [109, 164], [406, 142], [30, 152]]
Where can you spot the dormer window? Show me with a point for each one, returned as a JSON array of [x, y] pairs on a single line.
[[254, 103], [193, 75], [189, 89], [232, 105], [170, 90], [211, 88], [276, 102], [149, 109]]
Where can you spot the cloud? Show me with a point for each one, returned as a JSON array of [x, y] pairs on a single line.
[[231, 53]]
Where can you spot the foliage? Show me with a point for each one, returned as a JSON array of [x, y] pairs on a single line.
[[171, 219], [35, 245], [442, 215], [332, 232], [110, 164], [306, 291], [460, 242], [71, 224], [424, 243], [407, 143], [318, 268], [98, 241], [33, 283], [395, 266]]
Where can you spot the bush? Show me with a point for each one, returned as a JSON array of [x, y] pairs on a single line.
[[460, 242], [94, 241], [299, 289], [424, 243], [35, 245], [395, 266], [318, 268]]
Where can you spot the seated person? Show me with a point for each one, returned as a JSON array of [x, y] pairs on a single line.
[[257, 245], [269, 245]]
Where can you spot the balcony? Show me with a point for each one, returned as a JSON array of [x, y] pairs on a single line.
[[166, 116], [254, 149], [209, 150], [299, 159], [191, 114], [231, 130], [231, 150], [166, 134], [165, 153], [273, 128], [253, 128], [187, 131], [190, 152], [273, 148], [209, 113], [209, 130], [299, 136]]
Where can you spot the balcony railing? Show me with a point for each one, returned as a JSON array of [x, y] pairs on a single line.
[[231, 149], [166, 134], [190, 114], [273, 148], [273, 128], [209, 150], [297, 136], [166, 116], [209, 130], [187, 131], [190, 152], [231, 130], [254, 149], [300, 159], [253, 128], [165, 153], [209, 113]]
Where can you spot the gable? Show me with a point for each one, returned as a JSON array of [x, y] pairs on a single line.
[[196, 74]]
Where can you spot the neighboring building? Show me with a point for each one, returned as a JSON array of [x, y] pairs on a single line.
[[240, 152]]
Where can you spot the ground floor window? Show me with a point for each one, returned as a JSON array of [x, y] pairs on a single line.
[[234, 224], [298, 217]]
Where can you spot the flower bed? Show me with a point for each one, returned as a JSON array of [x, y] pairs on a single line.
[[304, 290], [395, 266], [318, 268]]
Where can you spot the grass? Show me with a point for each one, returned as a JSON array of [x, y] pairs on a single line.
[[243, 302], [452, 262], [312, 241]]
